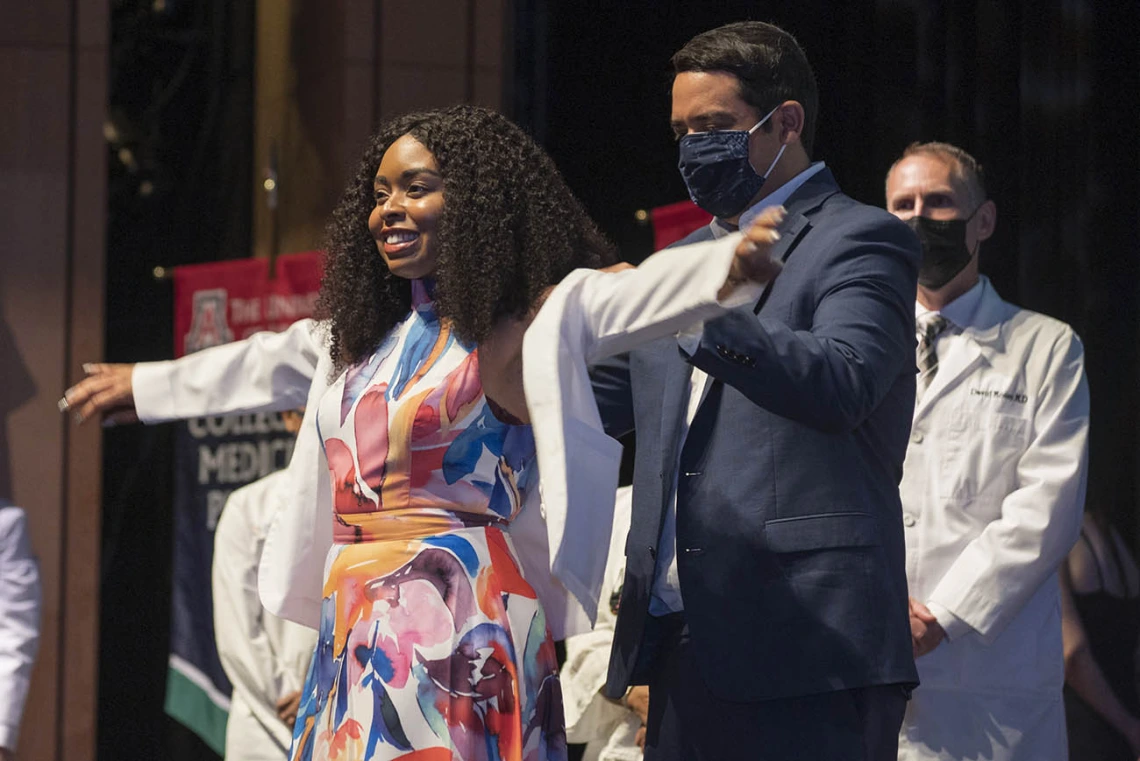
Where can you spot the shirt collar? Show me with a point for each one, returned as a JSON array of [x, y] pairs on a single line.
[[961, 310], [780, 195]]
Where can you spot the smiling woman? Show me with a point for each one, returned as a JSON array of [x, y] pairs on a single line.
[[510, 228], [409, 203], [431, 641]]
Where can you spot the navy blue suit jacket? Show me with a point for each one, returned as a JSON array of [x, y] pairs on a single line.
[[789, 526]]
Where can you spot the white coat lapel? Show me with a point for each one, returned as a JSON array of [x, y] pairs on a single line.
[[980, 341]]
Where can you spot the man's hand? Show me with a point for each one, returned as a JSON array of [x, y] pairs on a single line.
[[754, 253], [287, 708], [638, 701], [105, 391], [925, 631]]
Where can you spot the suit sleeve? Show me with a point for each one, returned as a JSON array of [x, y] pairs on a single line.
[[267, 371], [19, 620], [997, 573], [832, 376]]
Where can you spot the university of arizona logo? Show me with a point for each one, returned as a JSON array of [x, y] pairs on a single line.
[[208, 326]]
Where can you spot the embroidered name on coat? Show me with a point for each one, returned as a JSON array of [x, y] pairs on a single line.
[[995, 394]]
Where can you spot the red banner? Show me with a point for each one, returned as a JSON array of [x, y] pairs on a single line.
[[676, 220], [227, 301]]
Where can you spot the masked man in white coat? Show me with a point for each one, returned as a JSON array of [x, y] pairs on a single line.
[[993, 485]]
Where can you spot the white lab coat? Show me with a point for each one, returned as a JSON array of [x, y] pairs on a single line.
[[992, 491], [265, 657], [19, 619], [588, 316], [609, 730]]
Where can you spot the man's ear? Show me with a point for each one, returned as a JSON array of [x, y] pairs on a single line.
[[987, 220], [789, 120]]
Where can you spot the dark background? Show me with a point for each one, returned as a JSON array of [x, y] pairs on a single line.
[[1044, 93]]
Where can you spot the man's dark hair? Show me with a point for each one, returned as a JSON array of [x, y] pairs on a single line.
[[768, 62], [510, 227]]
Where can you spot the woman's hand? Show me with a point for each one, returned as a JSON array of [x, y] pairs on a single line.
[[754, 260], [106, 391]]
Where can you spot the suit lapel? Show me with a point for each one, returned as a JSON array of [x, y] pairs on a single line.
[[805, 201], [674, 404], [791, 232]]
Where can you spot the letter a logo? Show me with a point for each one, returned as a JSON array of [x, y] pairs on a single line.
[[208, 326]]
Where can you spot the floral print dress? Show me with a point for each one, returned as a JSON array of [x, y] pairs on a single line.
[[433, 647]]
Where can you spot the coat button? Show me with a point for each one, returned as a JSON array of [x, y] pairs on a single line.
[[909, 520], [917, 437]]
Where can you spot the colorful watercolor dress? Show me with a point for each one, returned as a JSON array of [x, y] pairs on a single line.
[[432, 645]]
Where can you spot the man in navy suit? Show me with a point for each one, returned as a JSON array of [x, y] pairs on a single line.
[[765, 600]]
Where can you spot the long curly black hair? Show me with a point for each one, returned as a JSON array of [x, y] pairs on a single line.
[[510, 227]]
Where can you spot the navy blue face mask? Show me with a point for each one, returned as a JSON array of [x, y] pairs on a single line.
[[717, 172]]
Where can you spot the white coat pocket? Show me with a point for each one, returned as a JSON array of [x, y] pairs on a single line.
[[980, 456]]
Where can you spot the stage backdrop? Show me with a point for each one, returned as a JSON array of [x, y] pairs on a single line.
[[215, 304]]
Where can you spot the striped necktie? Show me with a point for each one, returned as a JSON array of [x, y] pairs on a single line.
[[929, 327]]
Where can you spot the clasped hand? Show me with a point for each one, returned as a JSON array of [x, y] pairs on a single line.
[[925, 631]]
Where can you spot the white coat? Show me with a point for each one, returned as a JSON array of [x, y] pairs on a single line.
[[266, 658], [608, 729], [992, 491], [20, 601], [588, 316]]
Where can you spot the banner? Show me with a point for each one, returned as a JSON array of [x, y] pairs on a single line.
[[215, 304], [676, 220]]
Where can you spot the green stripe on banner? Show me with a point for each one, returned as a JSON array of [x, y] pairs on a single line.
[[189, 704]]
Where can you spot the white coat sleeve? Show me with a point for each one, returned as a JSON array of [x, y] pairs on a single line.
[[244, 649], [668, 292], [997, 572], [267, 371], [590, 717], [19, 620]]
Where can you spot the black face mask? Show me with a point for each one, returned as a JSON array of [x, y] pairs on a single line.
[[944, 251]]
